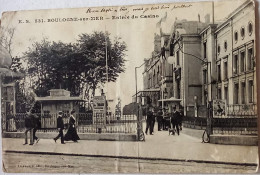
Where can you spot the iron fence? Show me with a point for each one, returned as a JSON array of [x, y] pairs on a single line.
[[85, 123], [224, 126], [194, 122], [235, 126]]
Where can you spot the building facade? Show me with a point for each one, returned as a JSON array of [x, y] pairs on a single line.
[[235, 61]]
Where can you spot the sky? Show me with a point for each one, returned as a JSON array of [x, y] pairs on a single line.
[[137, 33]]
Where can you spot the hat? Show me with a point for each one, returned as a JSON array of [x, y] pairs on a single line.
[[60, 112]]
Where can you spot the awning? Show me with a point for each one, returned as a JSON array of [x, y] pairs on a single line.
[[172, 99], [8, 73], [147, 92], [62, 98]]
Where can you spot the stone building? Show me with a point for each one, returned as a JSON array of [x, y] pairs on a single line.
[[185, 46], [235, 61]]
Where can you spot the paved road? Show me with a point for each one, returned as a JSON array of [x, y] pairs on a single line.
[[23, 163]]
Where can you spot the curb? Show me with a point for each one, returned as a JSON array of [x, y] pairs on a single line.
[[132, 157]]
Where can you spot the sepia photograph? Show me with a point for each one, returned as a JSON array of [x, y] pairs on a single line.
[[165, 88]]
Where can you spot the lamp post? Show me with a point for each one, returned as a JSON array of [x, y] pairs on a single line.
[[140, 128]]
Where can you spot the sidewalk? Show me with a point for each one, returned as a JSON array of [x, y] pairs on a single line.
[[158, 146]]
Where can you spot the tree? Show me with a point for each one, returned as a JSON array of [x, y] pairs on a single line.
[[75, 66], [93, 48]]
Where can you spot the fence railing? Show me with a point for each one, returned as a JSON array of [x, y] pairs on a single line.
[[235, 126], [225, 126], [194, 122], [85, 123]]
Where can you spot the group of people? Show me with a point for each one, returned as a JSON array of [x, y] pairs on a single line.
[[33, 123], [171, 120]]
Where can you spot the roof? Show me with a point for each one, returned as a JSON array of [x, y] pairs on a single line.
[[231, 15], [145, 92], [59, 98], [9, 73]]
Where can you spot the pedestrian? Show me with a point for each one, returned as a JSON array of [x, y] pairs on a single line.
[[149, 119], [160, 119], [72, 132], [175, 117], [36, 125], [180, 119], [60, 127], [153, 121], [28, 128]]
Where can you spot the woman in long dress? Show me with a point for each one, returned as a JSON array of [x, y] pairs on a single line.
[[72, 132]]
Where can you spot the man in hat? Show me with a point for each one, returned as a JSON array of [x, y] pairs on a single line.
[[175, 118], [36, 126], [28, 128], [159, 119], [60, 126], [149, 121]]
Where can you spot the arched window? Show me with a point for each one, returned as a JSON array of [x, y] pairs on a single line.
[[236, 36], [250, 28], [242, 32], [225, 46]]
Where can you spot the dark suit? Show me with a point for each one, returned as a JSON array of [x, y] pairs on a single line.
[[149, 122], [60, 126], [29, 128], [175, 118], [36, 126]]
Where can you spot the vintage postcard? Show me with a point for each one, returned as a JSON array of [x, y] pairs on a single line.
[[157, 88]]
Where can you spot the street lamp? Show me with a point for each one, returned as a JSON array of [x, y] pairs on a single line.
[[140, 127]]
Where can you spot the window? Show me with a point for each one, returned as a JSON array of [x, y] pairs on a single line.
[[235, 64], [243, 89], [204, 76], [177, 58], [171, 49], [250, 59], [250, 28], [205, 50], [236, 93], [218, 49], [154, 77], [225, 70], [226, 93], [158, 74], [178, 88], [242, 32], [236, 36], [219, 72], [250, 91], [219, 93], [225, 46], [242, 61]]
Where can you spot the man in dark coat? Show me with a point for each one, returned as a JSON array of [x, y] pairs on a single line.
[[149, 121], [175, 118], [160, 119], [28, 128], [36, 126], [60, 126]]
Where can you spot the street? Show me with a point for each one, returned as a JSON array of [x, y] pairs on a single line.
[[34, 163]]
